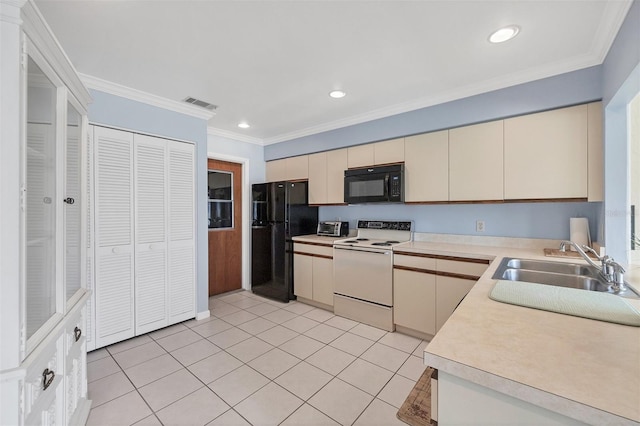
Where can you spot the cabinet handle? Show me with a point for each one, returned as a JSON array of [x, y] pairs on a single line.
[[47, 378], [77, 333], [69, 200]]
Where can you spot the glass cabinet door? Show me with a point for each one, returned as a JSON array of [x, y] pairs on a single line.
[[40, 199]]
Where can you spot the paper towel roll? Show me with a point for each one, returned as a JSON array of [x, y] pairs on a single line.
[[579, 231]]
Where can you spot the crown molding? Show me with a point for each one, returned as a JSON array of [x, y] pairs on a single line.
[[612, 18], [144, 97], [235, 136], [502, 82]]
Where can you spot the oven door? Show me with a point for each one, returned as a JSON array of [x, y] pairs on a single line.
[[364, 274], [366, 188]]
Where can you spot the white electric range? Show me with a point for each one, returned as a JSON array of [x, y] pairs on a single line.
[[363, 272]]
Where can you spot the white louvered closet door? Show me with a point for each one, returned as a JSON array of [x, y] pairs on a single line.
[[151, 195], [114, 309], [181, 202], [90, 331]]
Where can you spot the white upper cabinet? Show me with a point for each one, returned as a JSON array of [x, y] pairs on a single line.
[[388, 152], [595, 152], [336, 165], [297, 167], [426, 167], [276, 170], [360, 156], [318, 178], [545, 154], [475, 162], [292, 168], [373, 154]]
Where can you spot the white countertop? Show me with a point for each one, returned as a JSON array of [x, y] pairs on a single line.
[[586, 369], [316, 239]]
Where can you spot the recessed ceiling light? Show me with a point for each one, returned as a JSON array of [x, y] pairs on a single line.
[[337, 94], [504, 34], [243, 125]]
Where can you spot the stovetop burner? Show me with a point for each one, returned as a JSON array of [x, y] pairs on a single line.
[[382, 243], [362, 239]]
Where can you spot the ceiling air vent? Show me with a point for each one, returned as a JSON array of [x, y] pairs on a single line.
[[202, 104]]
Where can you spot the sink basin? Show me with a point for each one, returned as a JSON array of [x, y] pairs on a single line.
[[560, 268], [570, 275], [561, 280]]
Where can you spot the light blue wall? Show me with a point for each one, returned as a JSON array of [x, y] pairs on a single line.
[[241, 150], [111, 110], [621, 82], [549, 93], [524, 220]]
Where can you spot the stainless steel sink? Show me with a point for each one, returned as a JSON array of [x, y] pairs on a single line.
[[570, 275], [560, 268]]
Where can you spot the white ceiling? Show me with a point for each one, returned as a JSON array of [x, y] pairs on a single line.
[[273, 63]]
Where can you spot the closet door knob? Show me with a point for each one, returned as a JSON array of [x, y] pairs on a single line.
[[115, 250], [69, 200], [77, 332]]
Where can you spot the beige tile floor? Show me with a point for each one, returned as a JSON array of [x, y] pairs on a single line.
[[255, 362]]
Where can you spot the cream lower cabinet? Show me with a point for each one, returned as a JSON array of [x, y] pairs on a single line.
[[427, 289], [313, 274], [414, 300]]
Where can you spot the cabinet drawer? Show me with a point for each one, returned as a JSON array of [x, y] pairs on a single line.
[[312, 249], [43, 406], [473, 269], [417, 262]]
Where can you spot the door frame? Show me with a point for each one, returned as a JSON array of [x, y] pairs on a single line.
[[246, 212]]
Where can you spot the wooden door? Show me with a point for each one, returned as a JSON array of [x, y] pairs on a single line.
[[225, 226]]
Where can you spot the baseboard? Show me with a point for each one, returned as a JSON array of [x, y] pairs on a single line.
[[202, 315]]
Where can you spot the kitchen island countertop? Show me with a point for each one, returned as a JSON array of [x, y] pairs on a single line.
[[585, 369]]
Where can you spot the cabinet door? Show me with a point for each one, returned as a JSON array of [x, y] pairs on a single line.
[[114, 236], [297, 168], [545, 154], [181, 231], [475, 162], [150, 195], [387, 152], [414, 300], [595, 152], [276, 170], [426, 167], [323, 280], [449, 292], [318, 178], [303, 276], [360, 156], [336, 165]]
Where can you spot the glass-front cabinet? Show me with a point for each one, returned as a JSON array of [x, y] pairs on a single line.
[[43, 159]]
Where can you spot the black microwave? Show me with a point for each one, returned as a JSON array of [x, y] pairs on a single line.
[[383, 184]]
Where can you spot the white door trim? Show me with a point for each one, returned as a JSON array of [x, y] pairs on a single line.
[[246, 212]]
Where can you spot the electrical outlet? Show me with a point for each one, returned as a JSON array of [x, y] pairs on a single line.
[[479, 225]]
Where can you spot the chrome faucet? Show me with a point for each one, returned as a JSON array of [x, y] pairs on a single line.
[[609, 269]]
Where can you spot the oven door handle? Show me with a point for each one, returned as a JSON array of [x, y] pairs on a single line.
[[363, 250]]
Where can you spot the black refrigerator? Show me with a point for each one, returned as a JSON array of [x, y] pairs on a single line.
[[280, 211]]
